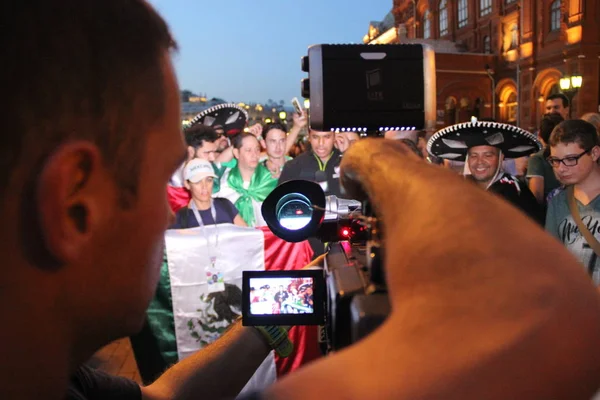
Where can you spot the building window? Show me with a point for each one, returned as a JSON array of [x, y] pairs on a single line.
[[443, 18], [509, 1], [487, 45], [426, 25], [555, 15], [463, 13], [514, 36], [511, 108], [485, 7]]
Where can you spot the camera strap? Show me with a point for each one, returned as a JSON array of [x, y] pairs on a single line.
[[585, 232], [277, 338]]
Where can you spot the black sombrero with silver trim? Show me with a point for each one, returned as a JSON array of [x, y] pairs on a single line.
[[228, 116], [453, 142]]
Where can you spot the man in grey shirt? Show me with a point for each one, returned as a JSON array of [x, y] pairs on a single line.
[[574, 152]]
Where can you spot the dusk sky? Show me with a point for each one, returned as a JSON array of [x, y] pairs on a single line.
[[250, 50]]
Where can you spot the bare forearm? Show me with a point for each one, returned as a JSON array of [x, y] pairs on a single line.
[[226, 155], [291, 138], [235, 356]]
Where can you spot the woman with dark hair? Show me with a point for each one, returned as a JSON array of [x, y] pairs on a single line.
[[248, 183]]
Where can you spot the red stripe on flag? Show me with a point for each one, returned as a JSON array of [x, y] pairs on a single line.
[[178, 197], [283, 256]]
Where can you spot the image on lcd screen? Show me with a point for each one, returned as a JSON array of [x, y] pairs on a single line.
[[281, 295]]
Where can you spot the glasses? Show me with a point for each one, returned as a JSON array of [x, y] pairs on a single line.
[[568, 161]]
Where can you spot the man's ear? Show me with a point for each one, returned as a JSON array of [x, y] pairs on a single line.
[[595, 153], [71, 190], [186, 183], [191, 152], [236, 153]]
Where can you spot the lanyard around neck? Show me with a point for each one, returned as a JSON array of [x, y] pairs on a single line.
[[213, 211], [322, 165]]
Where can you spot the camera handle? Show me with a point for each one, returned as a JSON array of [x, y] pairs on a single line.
[[375, 248]]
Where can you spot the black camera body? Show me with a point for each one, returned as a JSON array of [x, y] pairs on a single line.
[[356, 305], [350, 297], [370, 88]]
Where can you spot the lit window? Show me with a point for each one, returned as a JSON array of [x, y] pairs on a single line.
[[463, 13], [511, 108], [487, 45], [485, 7], [555, 15], [426, 25], [514, 36], [443, 18]]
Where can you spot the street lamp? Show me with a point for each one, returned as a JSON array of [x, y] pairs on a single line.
[[490, 74], [282, 115], [570, 85]]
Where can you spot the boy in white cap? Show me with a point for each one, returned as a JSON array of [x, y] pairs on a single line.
[[199, 177]]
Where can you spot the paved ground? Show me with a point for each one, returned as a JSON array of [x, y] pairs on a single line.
[[117, 359]]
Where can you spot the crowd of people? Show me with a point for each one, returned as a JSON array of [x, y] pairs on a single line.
[[294, 298], [249, 162]]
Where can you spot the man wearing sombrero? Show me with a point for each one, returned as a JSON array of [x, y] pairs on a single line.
[[209, 128], [483, 146]]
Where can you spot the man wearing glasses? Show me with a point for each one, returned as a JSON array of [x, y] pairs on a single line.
[[574, 152]]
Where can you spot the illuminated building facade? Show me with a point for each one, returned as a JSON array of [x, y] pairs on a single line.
[[527, 46]]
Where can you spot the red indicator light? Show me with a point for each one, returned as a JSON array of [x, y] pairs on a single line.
[[345, 232]]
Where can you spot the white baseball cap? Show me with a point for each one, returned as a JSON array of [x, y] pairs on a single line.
[[198, 169]]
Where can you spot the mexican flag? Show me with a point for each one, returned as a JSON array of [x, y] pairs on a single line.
[[187, 313]]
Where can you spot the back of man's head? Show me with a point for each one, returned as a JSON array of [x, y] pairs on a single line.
[[549, 121], [575, 131], [562, 96], [90, 136], [196, 135], [79, 69]]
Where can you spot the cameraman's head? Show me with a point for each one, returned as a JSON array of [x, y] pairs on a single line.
[[322, 143], [202, 142], [95, 135]]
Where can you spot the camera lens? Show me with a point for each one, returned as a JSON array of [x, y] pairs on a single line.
[[294, 211]]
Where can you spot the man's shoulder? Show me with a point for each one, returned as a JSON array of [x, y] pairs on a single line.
[[535, 164], [560, 195], [302, 158], [223, 203], [337, 156], [88, 383]]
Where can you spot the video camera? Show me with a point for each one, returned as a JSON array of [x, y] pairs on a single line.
[[348, 296], [355, 88]]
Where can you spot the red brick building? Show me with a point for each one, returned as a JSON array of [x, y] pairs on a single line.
[[525, 44]]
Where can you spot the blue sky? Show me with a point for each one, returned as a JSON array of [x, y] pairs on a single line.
[[250, 50]]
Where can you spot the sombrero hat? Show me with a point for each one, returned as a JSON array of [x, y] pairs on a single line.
[[453, 142], [231, 117]]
